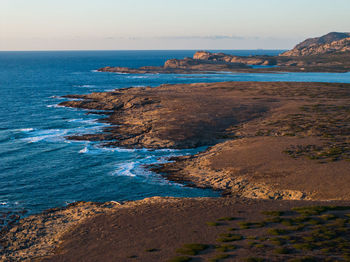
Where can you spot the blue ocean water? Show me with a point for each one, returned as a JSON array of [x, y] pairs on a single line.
[[40, 169]]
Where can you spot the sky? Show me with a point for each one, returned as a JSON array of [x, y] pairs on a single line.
[[167, 24]]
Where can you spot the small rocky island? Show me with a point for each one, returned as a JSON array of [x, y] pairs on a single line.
[[277, 151]]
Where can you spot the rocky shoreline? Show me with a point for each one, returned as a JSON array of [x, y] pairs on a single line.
[[268, 140]]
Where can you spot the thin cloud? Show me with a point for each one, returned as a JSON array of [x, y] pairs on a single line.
[[209, 37]]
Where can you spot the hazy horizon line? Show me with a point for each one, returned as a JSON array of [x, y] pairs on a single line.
[[194, 49]]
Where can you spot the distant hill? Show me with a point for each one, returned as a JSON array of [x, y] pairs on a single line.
[[333, 42]]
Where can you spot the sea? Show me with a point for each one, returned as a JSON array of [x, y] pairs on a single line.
[[41, 169]]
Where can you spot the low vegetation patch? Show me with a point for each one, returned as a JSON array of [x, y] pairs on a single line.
[[213, 224], [180, 259], [226, 219], [229, 238], [319, 231], [254, 259], [273, 213], [219, 257], [191, 249], [225, 248]]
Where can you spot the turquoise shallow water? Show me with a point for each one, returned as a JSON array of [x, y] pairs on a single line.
[[40, 169]]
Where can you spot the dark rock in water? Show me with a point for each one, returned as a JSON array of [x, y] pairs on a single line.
[[8, 218]]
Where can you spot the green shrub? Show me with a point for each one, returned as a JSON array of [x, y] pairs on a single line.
[[303, 246], [251, 237], [254, 259], [231, 238], [339, 222], [180, 259], [328, 216], [225, 248], [316, 210], [248, 225], [226, 219], [260, 246], [282, 250], [310, 238], [259, 224], [287, 222], [304, 259], [312, 210], [273, 220], [191, 249], [252, 243], [277, 231], [244, 225], [219, 257], [300, 219], [296, 228], [213, 224], [326, 250], [315, 222], [277, 241], [273, 213]]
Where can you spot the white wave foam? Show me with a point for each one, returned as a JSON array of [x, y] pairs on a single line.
[[9, 204], [86, 121], [73, 99], [125, 169], [68, 202], [56, 97], [54, 106], [137, 77], [49, 135], [84, 150], [84, 85], [94, 71], [120, 150], [25, 129]]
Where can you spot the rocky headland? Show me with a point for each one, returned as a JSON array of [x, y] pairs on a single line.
[[330, 43], [329, 53], [268, 140]]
